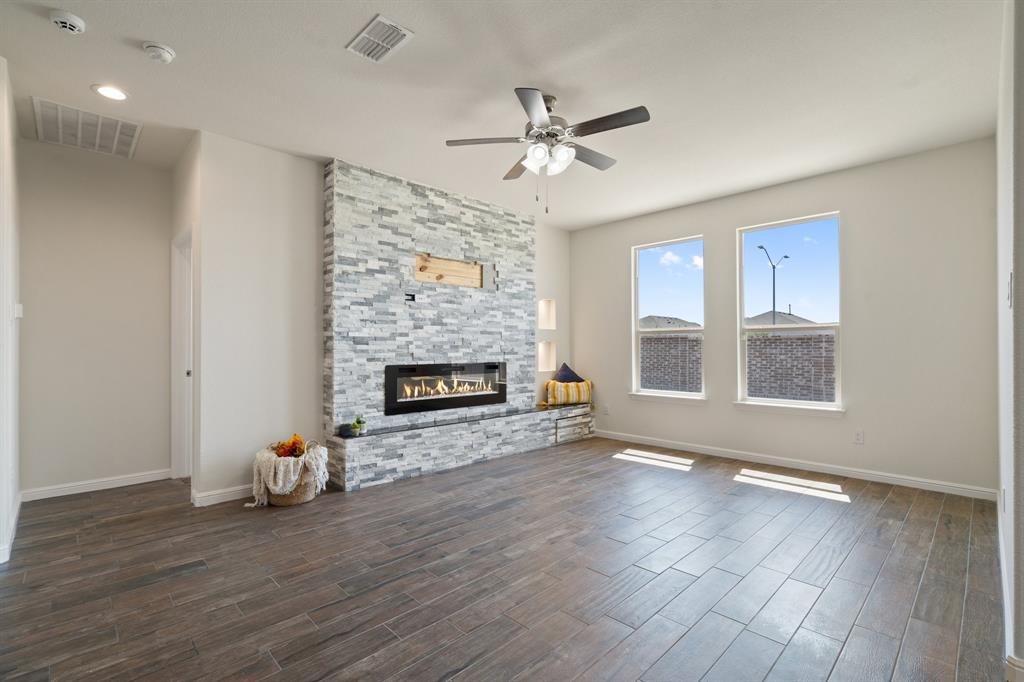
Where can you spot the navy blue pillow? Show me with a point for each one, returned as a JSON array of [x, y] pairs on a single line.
[[565, 375]]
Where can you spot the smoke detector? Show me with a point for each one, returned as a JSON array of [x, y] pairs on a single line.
[[159, 52], [67, 22]]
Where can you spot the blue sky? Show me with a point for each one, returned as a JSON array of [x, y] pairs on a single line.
[[672, 281], [808, 279], [671, 276]]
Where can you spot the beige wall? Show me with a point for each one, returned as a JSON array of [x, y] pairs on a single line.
[[554, 281], [918, 346], [258, 289], [94, 380], [9, 336]]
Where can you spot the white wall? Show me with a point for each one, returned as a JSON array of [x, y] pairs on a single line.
[[1004, 254], [9, 337], [258, 290], [1013, 552], [554, 281], [917, 249], [94, 372]]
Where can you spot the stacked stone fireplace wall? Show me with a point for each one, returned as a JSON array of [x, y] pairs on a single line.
[[374, 226]]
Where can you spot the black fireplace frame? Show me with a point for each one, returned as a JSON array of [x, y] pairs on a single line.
[[393, 372]]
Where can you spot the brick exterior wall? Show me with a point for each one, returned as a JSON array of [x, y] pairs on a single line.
[[671, 362], [791, 365]]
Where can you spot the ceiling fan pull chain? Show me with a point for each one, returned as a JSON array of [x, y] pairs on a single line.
[[547, 192]]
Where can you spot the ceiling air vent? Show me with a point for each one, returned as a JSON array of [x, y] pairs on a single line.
[[380, 39], [71, 127]]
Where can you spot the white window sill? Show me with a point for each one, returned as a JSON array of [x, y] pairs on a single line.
[[824, 410], [666, 397]]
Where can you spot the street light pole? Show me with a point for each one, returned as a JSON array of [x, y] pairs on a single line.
[[774, 265]]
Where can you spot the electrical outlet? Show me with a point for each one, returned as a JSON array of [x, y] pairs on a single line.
[[858, 437]]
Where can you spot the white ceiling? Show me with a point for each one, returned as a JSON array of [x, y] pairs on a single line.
[[741, 94]]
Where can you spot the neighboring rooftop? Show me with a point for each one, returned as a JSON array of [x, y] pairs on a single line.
[[666, 322], [780, 318]]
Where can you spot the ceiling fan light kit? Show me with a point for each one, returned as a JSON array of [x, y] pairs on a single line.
[[539, 153], [552, 139], [561, 156]]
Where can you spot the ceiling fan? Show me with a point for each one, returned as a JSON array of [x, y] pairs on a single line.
[[552, 140]]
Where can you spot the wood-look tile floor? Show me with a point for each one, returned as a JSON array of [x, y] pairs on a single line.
[[566, 563]]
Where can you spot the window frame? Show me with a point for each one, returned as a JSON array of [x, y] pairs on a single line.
[[635, 332], [742, 328]]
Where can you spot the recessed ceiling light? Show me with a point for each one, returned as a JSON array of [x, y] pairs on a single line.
[[110, 92]]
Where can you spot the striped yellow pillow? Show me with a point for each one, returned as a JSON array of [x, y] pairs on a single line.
[[568, 393]]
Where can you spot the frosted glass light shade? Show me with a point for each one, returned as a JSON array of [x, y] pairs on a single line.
[[546, 356], [546, 313], [561, 156]]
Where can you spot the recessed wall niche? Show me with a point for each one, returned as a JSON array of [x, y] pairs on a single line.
[[546, 353], [546, 318]]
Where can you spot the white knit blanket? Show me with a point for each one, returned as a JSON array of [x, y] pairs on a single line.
[[280, 475]]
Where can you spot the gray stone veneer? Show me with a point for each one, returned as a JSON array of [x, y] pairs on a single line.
[[374, 226]]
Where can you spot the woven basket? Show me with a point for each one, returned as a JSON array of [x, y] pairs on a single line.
[[304, 491]]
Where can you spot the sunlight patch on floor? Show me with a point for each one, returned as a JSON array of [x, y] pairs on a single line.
[[654, 459], [805, 482], [803, 490]]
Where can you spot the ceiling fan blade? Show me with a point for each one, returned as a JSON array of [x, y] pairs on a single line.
[[484, 140], [532, 100], [516, 170], [591, 158], [610, 122]]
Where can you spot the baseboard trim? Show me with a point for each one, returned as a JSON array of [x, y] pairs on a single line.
[[205, 499], [93, 485], [5, 550], [1006, 577], [1014, 669], [866, 474]]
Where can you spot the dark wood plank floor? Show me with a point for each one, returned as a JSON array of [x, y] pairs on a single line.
[[561, 564]]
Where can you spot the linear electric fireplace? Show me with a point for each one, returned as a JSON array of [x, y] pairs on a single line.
[[419, 388]]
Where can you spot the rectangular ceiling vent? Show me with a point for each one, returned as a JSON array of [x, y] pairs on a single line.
[[72, 127], [380, 39]]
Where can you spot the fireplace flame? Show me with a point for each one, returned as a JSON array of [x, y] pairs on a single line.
[[412, 390]]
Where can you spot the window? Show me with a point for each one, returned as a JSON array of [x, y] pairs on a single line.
[[789, 303], [668, 318]]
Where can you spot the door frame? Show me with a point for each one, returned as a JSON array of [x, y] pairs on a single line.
[[181, 357]]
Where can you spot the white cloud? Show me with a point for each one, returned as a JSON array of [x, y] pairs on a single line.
[[810, 240], [698, 262], [668, 259]]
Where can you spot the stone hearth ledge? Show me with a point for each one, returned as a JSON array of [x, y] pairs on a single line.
[[404, 452]]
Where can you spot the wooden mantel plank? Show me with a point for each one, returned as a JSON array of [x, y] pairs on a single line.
[[447, 271]]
